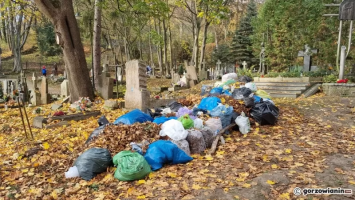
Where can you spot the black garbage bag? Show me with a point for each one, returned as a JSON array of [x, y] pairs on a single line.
[[241, 93], [92, 162], [175, 106], [245, 79], [265, 113], [154, 112], [103, 121], [249, 101], [95, 133]]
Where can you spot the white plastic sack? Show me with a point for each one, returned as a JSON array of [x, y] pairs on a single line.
[[243, 122], [230, 76], [251, 86], [166, 111], [174, 129], [72, 172], [215, 124], [198, 123], [226, 87], [218, 83]]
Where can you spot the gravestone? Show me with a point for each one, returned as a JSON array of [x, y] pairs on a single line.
[[176, 78], [244, 65], [64, 89], [44, 91], [65, 74], [35, 98], [191, 75], [137, 95], [347, 10], [307, 57], [119, 74], [203, 75], [105, 86]]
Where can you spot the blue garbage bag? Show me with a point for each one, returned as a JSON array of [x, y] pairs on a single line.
[[209, 103], [161, 120], [226, 92], [257, 99], [165, 152], [225, 113], [133, 117], [217, 90]]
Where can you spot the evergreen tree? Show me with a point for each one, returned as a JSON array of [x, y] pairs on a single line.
[[46, 40], [241, 47], [221, 53]]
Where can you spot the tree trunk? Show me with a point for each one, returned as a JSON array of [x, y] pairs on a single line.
[[167, 67], [150, 49], [170, 47], [216, 37], [159, 52], [197, 29], [203, 47], [97, 42], [62, 16]]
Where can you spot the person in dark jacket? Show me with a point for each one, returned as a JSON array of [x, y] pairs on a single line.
[[44, 71]]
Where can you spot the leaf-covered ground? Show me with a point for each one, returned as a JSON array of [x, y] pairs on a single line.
[[311, 146]]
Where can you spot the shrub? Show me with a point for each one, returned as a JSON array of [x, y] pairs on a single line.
[[330, 78]]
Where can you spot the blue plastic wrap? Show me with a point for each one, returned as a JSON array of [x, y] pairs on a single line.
[[217, 90], [223, 112], [165, 152], [209, 103], [133, 117], [226, 92], [161, 120]]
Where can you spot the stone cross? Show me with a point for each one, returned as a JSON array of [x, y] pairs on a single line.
[[65, 74], [244, 64], [203, 65], [34, 81], [307, 57], [119, 74], [218, 65]]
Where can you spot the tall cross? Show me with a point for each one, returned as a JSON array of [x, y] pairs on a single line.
[[307, 57], [218, 65], [203, 65], [244, 64], [34, 81]]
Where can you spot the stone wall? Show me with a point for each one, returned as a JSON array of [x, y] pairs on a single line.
[[339, 89]]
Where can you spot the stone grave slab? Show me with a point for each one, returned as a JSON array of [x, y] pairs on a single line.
[[41, 121], [105, 86], [191, 73], [64, 88]]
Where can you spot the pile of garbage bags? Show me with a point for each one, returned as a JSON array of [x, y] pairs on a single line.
[[170, 134]]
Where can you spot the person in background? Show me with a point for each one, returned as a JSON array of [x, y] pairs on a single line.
[[44, 71], [149, 70]]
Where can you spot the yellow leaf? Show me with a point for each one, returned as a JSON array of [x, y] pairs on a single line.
[[196, 187], [270, 182], [54, 194], [24, 170], [236, 197], [151, 175], [172, 175], [226, 189], [141, 197], [223, 100], [284, 196], [274, 166], [288, 150], [141, 182], [352, 182], [208, 157], [246, 185], [46, 145], [220, 152], [108, 178]]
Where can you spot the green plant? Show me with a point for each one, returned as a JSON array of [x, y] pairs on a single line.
[[330, 78], [246, 72]]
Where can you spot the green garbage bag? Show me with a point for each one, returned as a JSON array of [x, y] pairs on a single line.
[[229, 82], [130, 166], [186, 121]]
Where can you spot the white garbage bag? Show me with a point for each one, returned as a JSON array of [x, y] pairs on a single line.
[[198, 123], [174, 129], [251, 86], [215, 124], [230, 76], [243, 122]]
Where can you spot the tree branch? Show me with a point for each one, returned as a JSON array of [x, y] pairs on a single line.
[[47, 8]]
